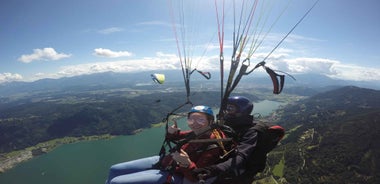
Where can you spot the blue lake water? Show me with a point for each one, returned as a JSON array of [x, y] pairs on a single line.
[[88, 162]]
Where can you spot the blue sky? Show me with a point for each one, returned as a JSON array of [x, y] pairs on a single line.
[[54, 38]]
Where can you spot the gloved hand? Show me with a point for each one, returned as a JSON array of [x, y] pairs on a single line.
[[204, 173], [181, 158], [173, 129]]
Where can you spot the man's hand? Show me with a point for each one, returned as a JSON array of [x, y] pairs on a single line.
[[204, 173]]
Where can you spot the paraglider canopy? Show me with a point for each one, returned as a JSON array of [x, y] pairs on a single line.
[[158, 78]]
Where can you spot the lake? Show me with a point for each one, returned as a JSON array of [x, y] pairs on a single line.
[[88, 162]]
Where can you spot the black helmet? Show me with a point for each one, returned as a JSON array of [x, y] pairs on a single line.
[[242, 104]]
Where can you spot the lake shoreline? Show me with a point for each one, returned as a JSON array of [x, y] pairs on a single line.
[[12, 159]]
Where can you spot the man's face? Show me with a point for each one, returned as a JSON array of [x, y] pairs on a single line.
[[231, 109]]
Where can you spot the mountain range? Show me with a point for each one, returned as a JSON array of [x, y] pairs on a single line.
[[111, 80]]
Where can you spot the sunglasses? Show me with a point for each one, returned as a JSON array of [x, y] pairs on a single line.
[[201, 121]]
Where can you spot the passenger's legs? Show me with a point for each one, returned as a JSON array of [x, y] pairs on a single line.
[[152, 176], [132, 166]]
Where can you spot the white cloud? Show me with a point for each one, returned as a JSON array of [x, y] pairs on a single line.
[[161, 62], [43, 54], [278, 61], [328, 67], [307, 65], [9, 77], [110, 53], [356, 73], [110, 30]]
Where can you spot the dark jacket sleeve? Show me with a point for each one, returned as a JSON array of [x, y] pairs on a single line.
[[245, 147]]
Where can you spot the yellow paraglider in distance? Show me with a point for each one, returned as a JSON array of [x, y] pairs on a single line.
[[158, 78]]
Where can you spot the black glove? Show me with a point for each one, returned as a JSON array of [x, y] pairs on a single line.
[[204, 173]]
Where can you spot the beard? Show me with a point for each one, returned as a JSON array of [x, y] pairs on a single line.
[[238, 121]]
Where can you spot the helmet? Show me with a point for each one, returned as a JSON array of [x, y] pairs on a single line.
[[203, 109], [243, 105]]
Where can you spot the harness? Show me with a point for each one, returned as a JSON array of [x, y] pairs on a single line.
[[216, 142]]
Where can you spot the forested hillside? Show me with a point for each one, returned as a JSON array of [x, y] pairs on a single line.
[[331, 138], [25, 123]]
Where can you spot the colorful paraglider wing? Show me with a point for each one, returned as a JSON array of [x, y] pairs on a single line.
[[277, 85], [207, 75], [158, 78]]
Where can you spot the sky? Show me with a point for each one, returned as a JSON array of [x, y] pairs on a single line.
[[54, 38]]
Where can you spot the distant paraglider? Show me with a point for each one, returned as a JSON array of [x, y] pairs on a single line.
[[158, 78]]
